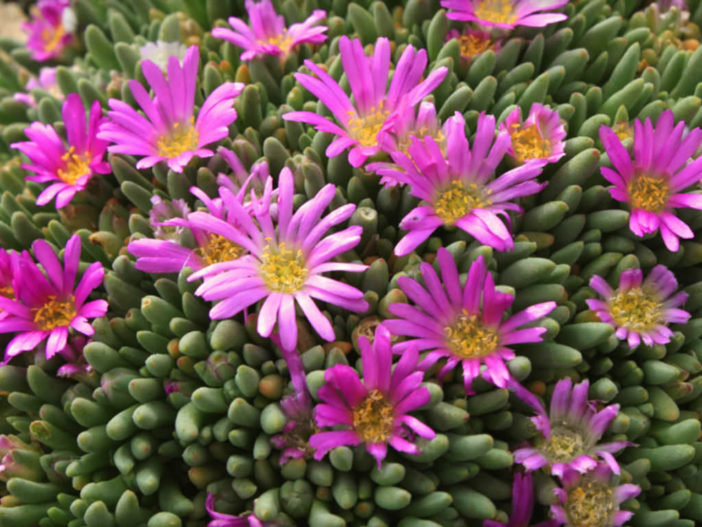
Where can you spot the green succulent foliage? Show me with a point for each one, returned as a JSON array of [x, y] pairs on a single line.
[[176, 406]]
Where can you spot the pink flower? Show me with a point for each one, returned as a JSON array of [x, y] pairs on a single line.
[[539, 137], [505, 14], [652, 183], [522, 505], [374, 412], [46, 31], [220, 519]]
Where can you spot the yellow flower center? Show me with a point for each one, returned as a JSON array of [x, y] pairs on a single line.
[[649, 192], [283, 270], [404, 144], [52, 39], [636, 309], [54, 313], [7, 291], [591, 504], [528, 143], [283, 41], [467, 337], [623, 130], [474, 44], [457, 200], [75, 166], [182, 138], [364, 129], [219, 249], [496, 11], [373, 418], [563, 445]]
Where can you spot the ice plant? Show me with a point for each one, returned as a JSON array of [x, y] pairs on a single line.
[[47, 32], [162, 211], [168, 130], [267, 34], [220, 519], [570, 433], [46, 80], [522, 505], [652, 182], [505, 14], [48, 304], [640, 309], [294, 439], [160, 52], [284, 263], [6, 288], [592, 499], [457, 186], [373, 412], [19, 460], [67, 167], [540, 137], [462, 324], [374, 105], [473, 42]]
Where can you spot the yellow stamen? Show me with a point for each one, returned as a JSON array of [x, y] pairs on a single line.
[[52, 39], [75, 166], [373, 418], [182, 138], [467, 337], [457, 199], [623, 130], [404, 144], [7, 291], [282, 41], [496, 11], [528, 143], [563, 445], [474, 44], [591, 504], [54, 313], [283, 270], [637, 309], [365, 128], [649, 192], [219, 249]]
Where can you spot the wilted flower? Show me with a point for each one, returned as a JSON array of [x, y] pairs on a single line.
[[374, 105], [463, 325], [505, 14], [374, 412], [160, 52], [267, 34], [45, 81], [70, 167], [294, 439], [50, 29], [18, 459], [220, 519], [48, 305], [592, 499], [570, 433], [652, 183], [640, 309], [539, 137], [169, 131]]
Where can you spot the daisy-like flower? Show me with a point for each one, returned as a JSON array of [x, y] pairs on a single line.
[[463, 324], [592, 499], [283, 265], [168, 131], [294, 439], [457, 187], [570, 433], [640, 309], [374, 106], [474, 42], [539, 137], [49, 31], [505, 14], [374, 412], [160, 52], [70, 167], [522, 505], [48, 304], [652, 183], [219, 519], [267, 34]]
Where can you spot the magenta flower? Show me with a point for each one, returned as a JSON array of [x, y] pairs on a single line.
[[457, 188], [373, 412], [539, 137], [70, 167], [6, 267], [640, 309], [463, 324], [283, 265], [47, 34], [505, 14], [220, 519], [474, 42], [592, 499], [76, 362], [294, 439], [374, 105], [652, 183], [522, 505], [48, 305], [45, 81], [168, 131], [267, 34], [570, 433]]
